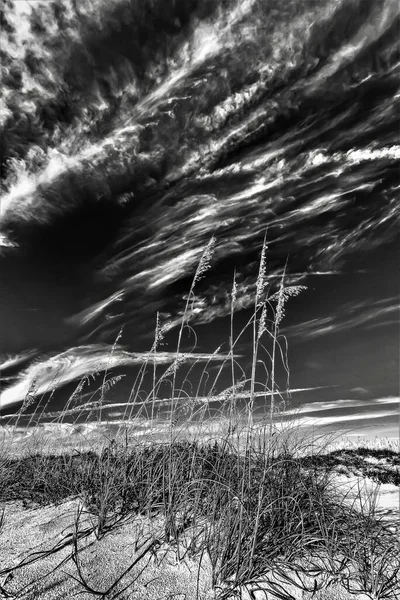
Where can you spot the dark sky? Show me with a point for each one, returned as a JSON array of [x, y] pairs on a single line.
[[133, 133]]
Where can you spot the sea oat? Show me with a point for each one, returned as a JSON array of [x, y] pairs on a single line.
[[172, 369], [115, 344], [282, 295], [78, 389], [234, 291], [160, 332], [204, 263], [261, 283], [30, 395], [111, 382], [262, 324]]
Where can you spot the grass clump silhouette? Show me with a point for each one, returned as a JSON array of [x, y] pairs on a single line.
[[250, 500]]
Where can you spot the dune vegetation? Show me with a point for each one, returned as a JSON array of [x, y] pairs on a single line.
[[232, 506]]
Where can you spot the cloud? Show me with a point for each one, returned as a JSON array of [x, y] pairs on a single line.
[[322, 421], [47, 375], [368, 314], [229, 120], [366, 411]]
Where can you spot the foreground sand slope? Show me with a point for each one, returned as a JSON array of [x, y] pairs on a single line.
[[28, 532], [35, 530]]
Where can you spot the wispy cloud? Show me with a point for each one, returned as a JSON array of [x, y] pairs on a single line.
[[368, 314], [328, 413], [45, 376], [215, 125], [184, 399]]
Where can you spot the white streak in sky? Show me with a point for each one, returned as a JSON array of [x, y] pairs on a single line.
[[48, 375]]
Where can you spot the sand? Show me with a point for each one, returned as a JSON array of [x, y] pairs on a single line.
[[29, 533]]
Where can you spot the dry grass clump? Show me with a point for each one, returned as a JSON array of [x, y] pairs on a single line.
[[261, 513]]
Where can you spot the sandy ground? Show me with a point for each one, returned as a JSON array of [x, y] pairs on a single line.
[[388, 496], [29, 533], [30, 536]]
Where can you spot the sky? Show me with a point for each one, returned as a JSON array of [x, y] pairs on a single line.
[[145, 145]]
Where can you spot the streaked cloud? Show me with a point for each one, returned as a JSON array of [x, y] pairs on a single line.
[[234, 119], [45, 376], [322, 414], [367, 314]]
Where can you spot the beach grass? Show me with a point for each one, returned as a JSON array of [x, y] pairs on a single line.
[[249, 500]]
